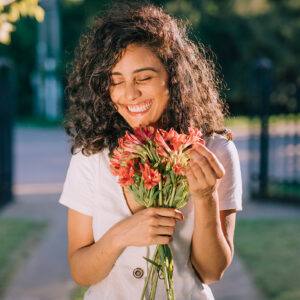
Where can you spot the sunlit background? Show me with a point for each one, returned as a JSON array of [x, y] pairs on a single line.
[[256, 47]]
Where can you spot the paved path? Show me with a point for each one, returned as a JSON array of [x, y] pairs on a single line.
[[41, 158], [45, 274], [41, 161], [235, 284]]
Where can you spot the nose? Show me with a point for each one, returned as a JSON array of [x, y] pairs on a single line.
[[131, 91]]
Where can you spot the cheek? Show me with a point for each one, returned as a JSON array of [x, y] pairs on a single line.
[[115, 94], [164, 89]]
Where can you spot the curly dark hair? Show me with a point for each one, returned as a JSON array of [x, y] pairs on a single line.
[[194, 87]]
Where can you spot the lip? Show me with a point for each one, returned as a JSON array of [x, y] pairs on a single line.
[[140, 113]]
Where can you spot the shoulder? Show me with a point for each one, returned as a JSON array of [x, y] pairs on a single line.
[[85, 164], [91, 159], [220, 145], [230, 186]]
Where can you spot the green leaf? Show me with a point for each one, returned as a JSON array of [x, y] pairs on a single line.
[[155, 195], [141, 189], [182, 202], [152, 262], [173, 178], [139, 200]]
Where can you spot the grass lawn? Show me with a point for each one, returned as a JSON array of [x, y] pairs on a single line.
[[284, 189], [17, 239], [270, 250]]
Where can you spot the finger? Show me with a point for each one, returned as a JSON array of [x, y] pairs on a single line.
[[209, 174], [165, 230], [199, 174], [211, 158], [166, 221], [168, 212], [191, 178], [162, 239]]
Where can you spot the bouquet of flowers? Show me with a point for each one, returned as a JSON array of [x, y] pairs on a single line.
[[151, 164]]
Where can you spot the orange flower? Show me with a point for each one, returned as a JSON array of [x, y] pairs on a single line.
[[180, 140], [179, 169], [151, 177], [126, 174], [175, 139]]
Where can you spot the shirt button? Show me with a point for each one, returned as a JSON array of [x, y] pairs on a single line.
[[138, 273]]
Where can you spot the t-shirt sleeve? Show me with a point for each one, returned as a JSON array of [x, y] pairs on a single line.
[[79, 186], [230, 186]]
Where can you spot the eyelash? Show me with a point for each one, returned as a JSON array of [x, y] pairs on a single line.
[[138, 80]]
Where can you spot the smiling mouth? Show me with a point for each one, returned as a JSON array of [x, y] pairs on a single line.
[[137, 109]]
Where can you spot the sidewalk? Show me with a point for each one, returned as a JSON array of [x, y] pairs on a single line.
[[236, 284], [45, 274], [41, 158]]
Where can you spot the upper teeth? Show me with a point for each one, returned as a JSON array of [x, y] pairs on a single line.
[[139, 108]]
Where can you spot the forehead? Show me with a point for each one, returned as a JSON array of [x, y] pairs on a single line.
[[136, 57]]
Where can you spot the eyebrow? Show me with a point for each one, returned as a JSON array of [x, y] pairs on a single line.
[[136, 71]]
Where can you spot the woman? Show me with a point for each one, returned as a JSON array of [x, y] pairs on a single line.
[[136, 66]]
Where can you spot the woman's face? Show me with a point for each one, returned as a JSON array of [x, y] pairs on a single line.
[[139, 86]]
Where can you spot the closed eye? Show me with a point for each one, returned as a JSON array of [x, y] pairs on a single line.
[[115, 83], [137, 80], [145, 79]]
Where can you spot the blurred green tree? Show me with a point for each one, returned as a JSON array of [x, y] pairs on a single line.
[[10, 12], [237, 31]]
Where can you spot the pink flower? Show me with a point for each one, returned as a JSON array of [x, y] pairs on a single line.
[[150, 176], [195, 137], [162, 147], [131, 139], [144, 133]]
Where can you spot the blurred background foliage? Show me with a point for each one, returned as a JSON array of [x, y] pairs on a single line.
[[12, 10], [237, 31]]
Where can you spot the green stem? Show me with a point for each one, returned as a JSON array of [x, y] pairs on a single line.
[[154, 285], [160, 203], [164, 270], [172, 196], [147, 281], [167, 273], [154, 258], [149, 153]]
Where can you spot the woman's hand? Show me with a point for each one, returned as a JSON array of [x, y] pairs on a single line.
[[203, 172], [150, 226]]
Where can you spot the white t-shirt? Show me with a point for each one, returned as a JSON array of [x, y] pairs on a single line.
[[91, 189]]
